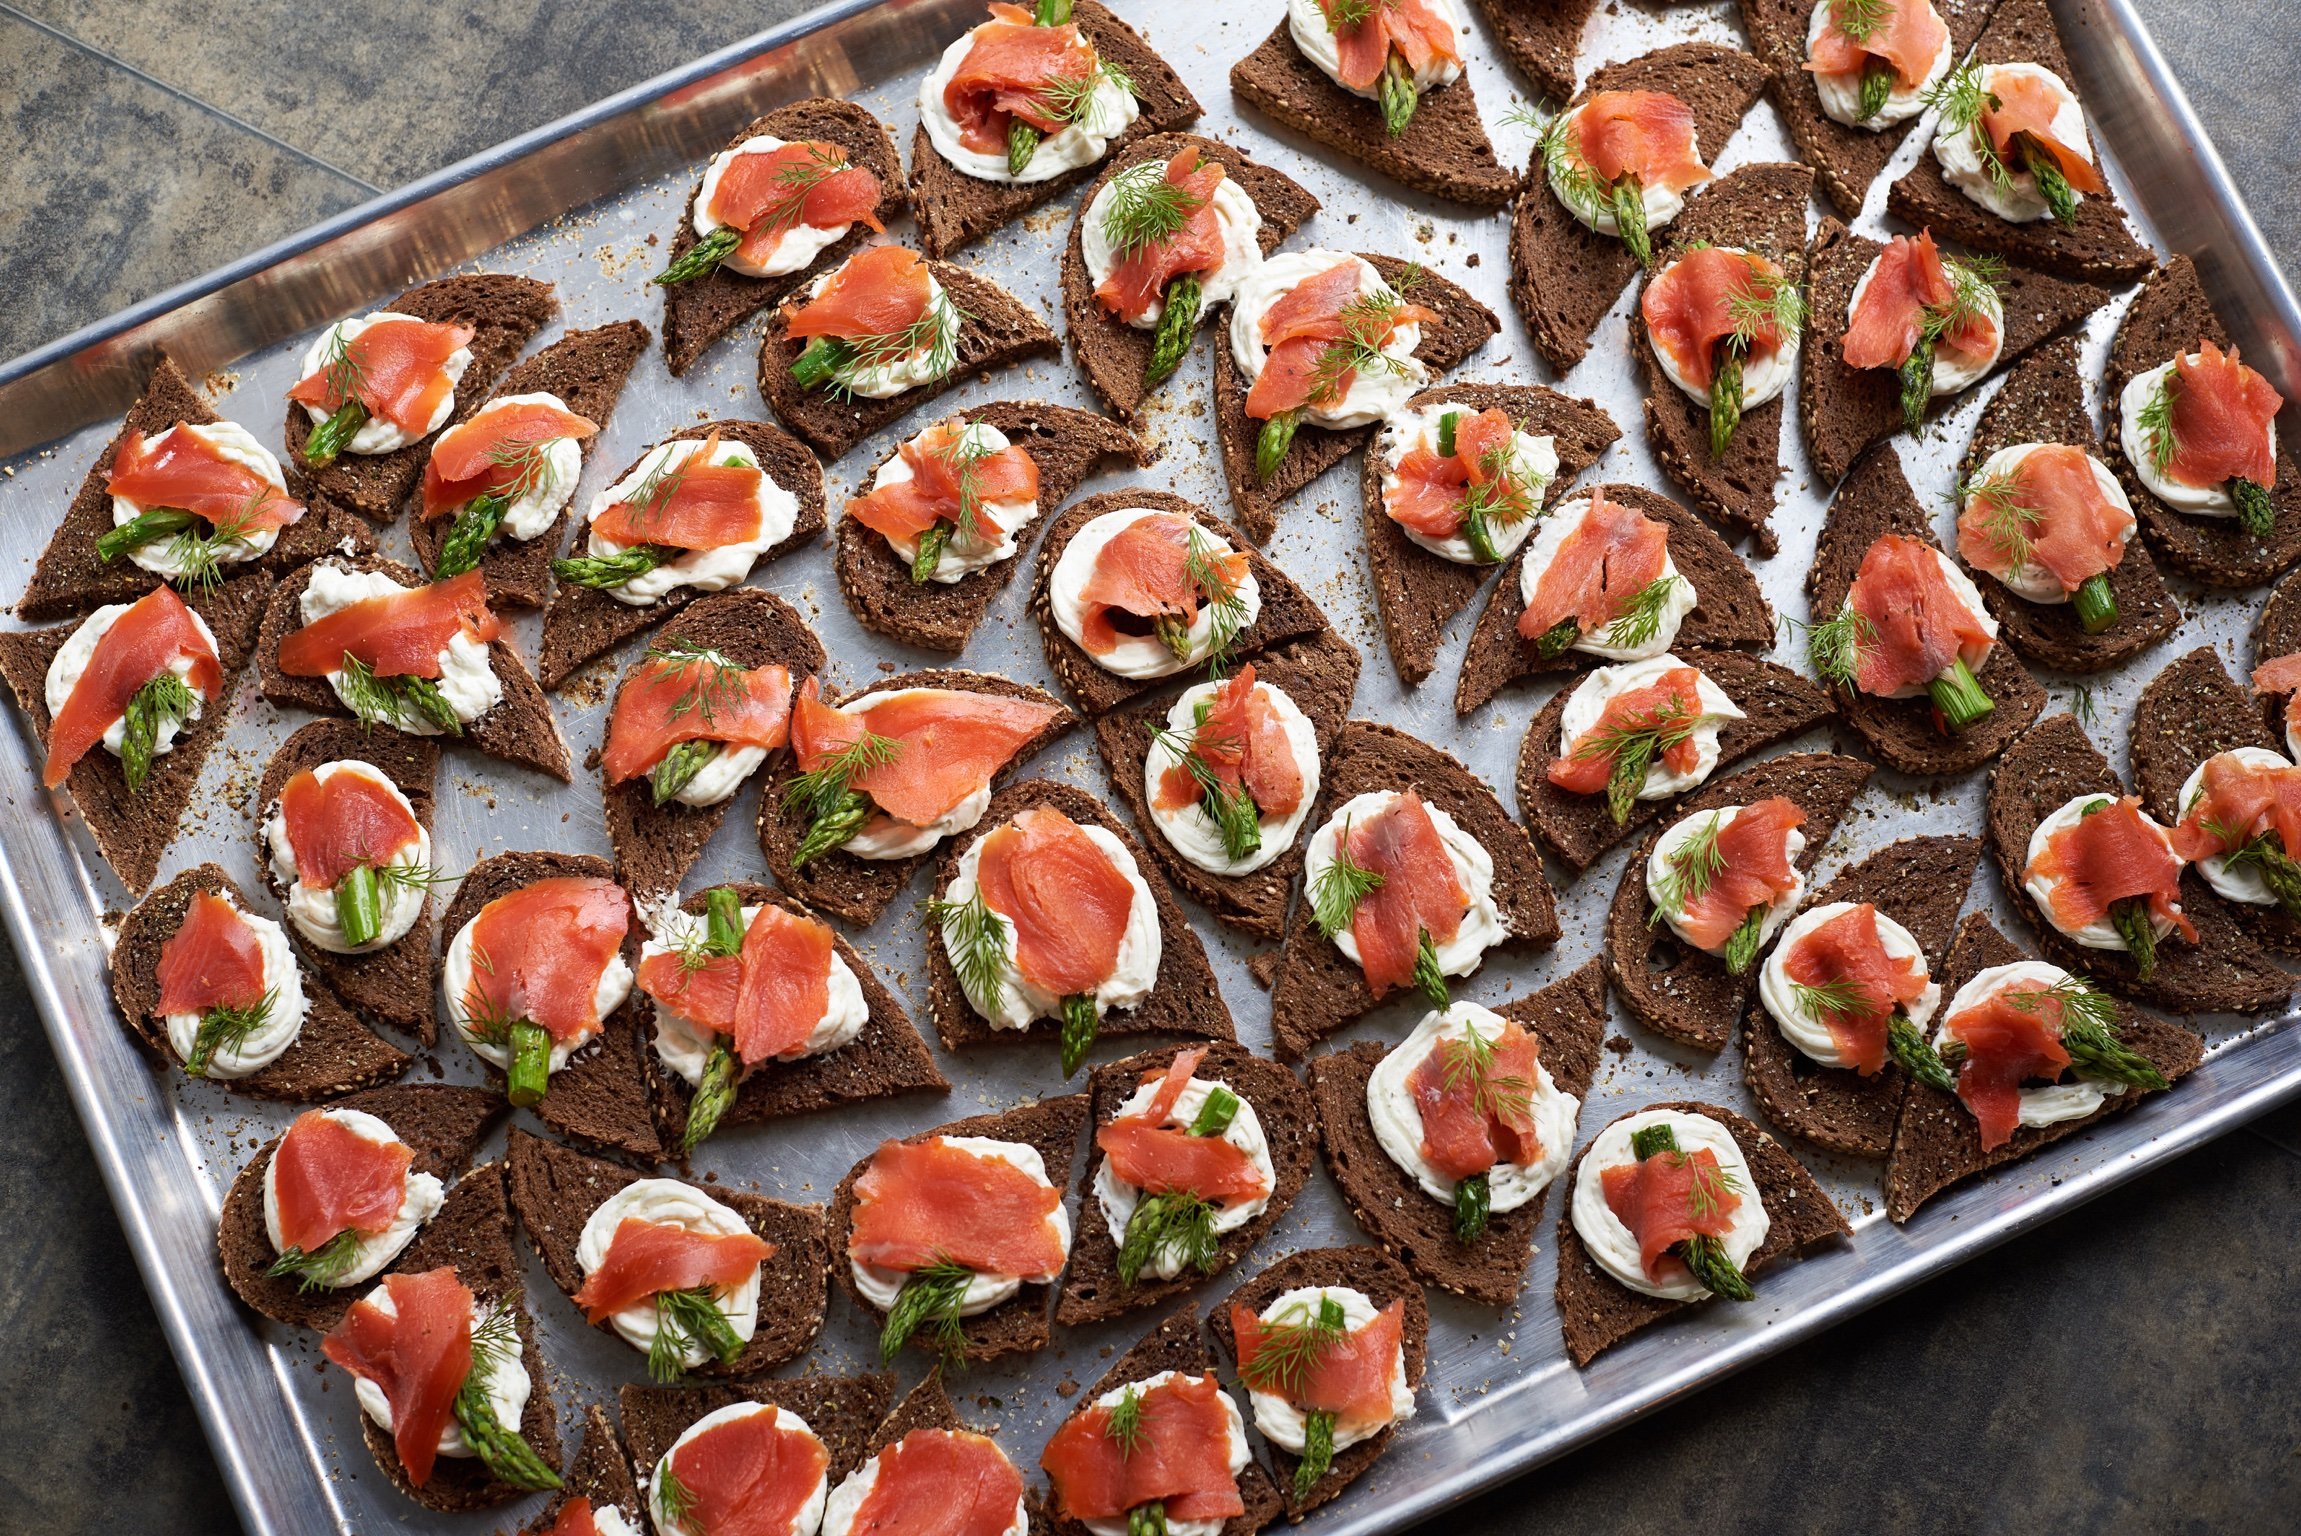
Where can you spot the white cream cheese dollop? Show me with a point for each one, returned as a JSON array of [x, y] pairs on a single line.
[[848, 1498], [685, 1046], [313, 910], [234, 444], [1235, 215], [1841, 95], [1809, 1031], [2101, 933], [455, 981], [1374, 392], [1397, 1120], [1550, 539], [1020, 1001], [798, 245], [1118, 1198], [1660, 875], [506, 1385], [2041, 1104], [560, 465], [1234, 1429], [1614, 1247], [72, 658], [985, 1290], [706, 570], [1314, 36], [668, 1203], [1964, 166], [466, 678], [2139, 444], [377, 434], [810, 1518], [961, 558], [1283, 1424], [2032, 581], [1188, 829], [1533, 465], [1109, 113], [1139, 656], [1951, 371], [419, 1202], [2240, 883], [1482, 926], [1764, 376], [1586, 705], [283, 1020]]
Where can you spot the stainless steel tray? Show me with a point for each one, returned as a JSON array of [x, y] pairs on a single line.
[[578, 202]]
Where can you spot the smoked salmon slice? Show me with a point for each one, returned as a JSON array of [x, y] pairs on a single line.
[[1914, 627], [1754, 852], [400, 634], [1181, 1457], [397, 370], [2238, 802], [147, 640], [419, 1354], [1015, 70], [786, 986], [328, 1179], [1908, 36], [1305, 322], [2282, 674], [182, 470], [1909, 282], [1241, 742], [1350, 1378], [1612, 555], [2111, 855], [1144, 572], [646, 1258], [2023, 104], [538, 953], [2222, 415], [1668, 1198], [698, 504], [671, 698], [882, 290], [1140, 277], [925, 1202], [1846, 955], [1420, 892], [495, 451], [941, 1482], [1432, 496], [1417, 31], [749, 1475], [1667, 707], [339, 823], [1708, 296], [1160, 1158], [2059, 519], [1646, 134], [704, 994], [948, 484], [1478, 1113], [1067, 901], [2006, 1045], [946, 744], [212, 960], [767, 194], [575, 1519]]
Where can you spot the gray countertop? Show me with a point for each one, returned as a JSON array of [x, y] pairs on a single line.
[[2127, 1368]]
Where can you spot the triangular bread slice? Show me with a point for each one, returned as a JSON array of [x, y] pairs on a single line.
[[1541, 37], [1565, 277], [1092, 1290], [441, 1123], [587, 371], [1568, 1018], [554, 1190], [585, 623], [1317, 989], [1067, 445], [2277, 633], [1875, 500], [1321, 675], [1919, 882], [1419, 593], [2043, 401], [1936, 1143], [1729, 610], [843, 1412], [519, 729], [132, 829], [601, 1476], [2225, 971], [1597, 1311], [1673, 988]]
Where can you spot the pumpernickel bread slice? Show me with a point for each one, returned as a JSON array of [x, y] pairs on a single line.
[[843, 1411], [2277, 633], [925, 1406], [1568, 1019], [1318, 989], [1541, 37], [1919, 882], [601, 1476], [1672, 987]]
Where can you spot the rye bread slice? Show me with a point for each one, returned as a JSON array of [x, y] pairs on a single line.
[[698, 312], [1673, 988], [2225, 971], [1287, 613], [519, 729], [1020, 1323], [440, 1122], [584, 623], [1845, 410], [1184, 1000], [1541, 37], [1113, 354], [854, 889], [587, 371], [2167, 319], [1067, 445], [601, 1475], [997, 330], [1317, 990], [1875, 500], [1564, 277], [1382, 1280], [841, 1410], [1777, 703], [1419, 593], [1936, 1142], [2043, 401], [132, 830], [1759, 208], [1568, 1018], [1320, 674], [1919, 882], [955, 209], [600, 1096], [925, 1406], [656, 845], [1597, 1311], [1462, 327], [2098, 245], [1729, 610], [1093, 1291], [554, 1190], [504, 311]]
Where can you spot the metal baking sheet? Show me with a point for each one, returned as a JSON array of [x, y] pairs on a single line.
[[581, 202]]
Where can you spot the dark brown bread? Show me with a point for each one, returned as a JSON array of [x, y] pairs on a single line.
[[2225, 971], [955, 209], [334, 1053], [1568, 1019], [1462, 327], [1936, 1143], [656, 845], [1419, 593], [1019, 1324], [504, 311], [2043, 401], [2097, 245], [519, 729], [1597, 1311], [601, 1475], [1920, 883], [856, 889], [554, 1190], [587, 371], [925, 1406], [1777, 703], [440, 1123], [2167, 319], [132, 830], [583, 623], [698, 312], [2277, 633], [1729, 610], [1093, 1291], [1319, 674], [1541, 37], [841, 1410], [1113, 354], [1564, 277], [1672, 987], [1876, 500], [1317, 989], [1067, 445]]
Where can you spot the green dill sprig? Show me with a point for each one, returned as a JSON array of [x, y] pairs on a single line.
[[1144, 209], [1704, 1255], [1236, 819], [1292, 1346], [321, 1268], [824, 797], [2086, 1020], [494, 1343], [1690, 867], [346, 380], [673, 1500], [1641, 617], [684, 1317], [1340, 886], [393, 701], [929, 1303], [1634, 744], [166, 700], [1835, 646], [1179, 1221], [840, 365], [1124, 1425], [223, 1029], [975, 937]]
